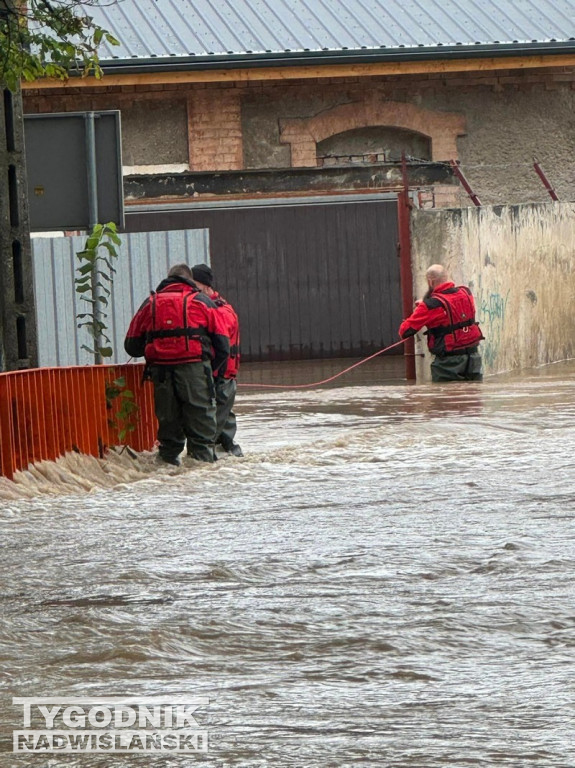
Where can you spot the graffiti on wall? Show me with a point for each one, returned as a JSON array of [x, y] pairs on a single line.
[[491, 309]]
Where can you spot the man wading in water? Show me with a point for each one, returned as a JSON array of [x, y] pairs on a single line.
[[453, 335], [182, 336], [225, 382]]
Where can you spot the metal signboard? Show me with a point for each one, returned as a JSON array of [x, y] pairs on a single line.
[[74, 169]]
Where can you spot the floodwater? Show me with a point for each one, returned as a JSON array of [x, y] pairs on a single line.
[[386, 579]]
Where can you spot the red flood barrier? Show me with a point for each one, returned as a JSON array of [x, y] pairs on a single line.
[[46, 412]]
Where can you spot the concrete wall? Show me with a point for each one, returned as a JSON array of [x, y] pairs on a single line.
[[155, 132], [519, 262], [18, 339]]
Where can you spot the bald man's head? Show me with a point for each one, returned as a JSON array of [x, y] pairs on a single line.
[[436, 275]]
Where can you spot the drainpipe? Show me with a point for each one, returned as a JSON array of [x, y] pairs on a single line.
[[93, 216]]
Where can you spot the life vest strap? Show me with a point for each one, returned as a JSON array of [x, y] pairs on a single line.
[[170, 333], [443, 330]]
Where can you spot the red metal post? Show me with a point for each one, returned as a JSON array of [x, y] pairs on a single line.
[[464, 183], [546, 183]]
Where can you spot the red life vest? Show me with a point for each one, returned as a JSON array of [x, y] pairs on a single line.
[[461, 330], [176, 335], [233, 330]]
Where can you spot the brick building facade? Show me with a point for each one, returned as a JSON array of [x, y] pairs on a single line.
[[493, 121]]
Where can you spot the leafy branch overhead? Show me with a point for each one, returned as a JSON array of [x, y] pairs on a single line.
[[49, 38]]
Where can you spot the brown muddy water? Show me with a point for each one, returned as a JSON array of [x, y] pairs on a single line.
[[386, 579]]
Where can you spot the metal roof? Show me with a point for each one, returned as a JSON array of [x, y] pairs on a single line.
[[250, 29]]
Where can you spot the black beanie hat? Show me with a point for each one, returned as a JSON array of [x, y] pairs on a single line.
[[203, 274]]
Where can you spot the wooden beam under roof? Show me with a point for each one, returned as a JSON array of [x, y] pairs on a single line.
[[255, 74]]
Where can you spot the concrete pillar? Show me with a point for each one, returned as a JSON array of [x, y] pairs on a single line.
[[18, 335]]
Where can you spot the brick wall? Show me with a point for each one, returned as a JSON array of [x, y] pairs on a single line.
[[215, 130]]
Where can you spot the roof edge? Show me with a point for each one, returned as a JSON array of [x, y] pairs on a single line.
[[251, 60]]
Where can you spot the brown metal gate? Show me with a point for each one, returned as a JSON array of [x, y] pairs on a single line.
[[310, 280]]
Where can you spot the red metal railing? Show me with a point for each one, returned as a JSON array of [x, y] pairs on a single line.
[[45, 412]]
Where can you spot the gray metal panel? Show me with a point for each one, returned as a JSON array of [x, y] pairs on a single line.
[[143, 262], [178, 28], [57, 176]]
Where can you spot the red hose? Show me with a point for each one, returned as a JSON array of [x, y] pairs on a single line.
[[324, 381]]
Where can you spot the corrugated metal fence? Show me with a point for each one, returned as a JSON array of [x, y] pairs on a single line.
[[144, 260], [308, 279], [46, 412]]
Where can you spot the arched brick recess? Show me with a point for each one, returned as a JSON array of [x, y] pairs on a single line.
[[303, 134]]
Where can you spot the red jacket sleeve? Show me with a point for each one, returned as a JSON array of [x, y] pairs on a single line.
[[218, 333], [135, 341], [421, 316]]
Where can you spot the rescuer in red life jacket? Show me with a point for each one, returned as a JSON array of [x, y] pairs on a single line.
[[226, 385], [182, 336], [453, 335]]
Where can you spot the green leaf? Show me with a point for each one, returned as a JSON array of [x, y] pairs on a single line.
[[94, 283], [120, 381], [111, 249]]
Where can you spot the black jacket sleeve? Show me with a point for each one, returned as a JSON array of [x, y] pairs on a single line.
[[135, 346], [221, 346]]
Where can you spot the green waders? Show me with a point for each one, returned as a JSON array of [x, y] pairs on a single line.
[[184, 399], [226, 419], [465, 367]]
